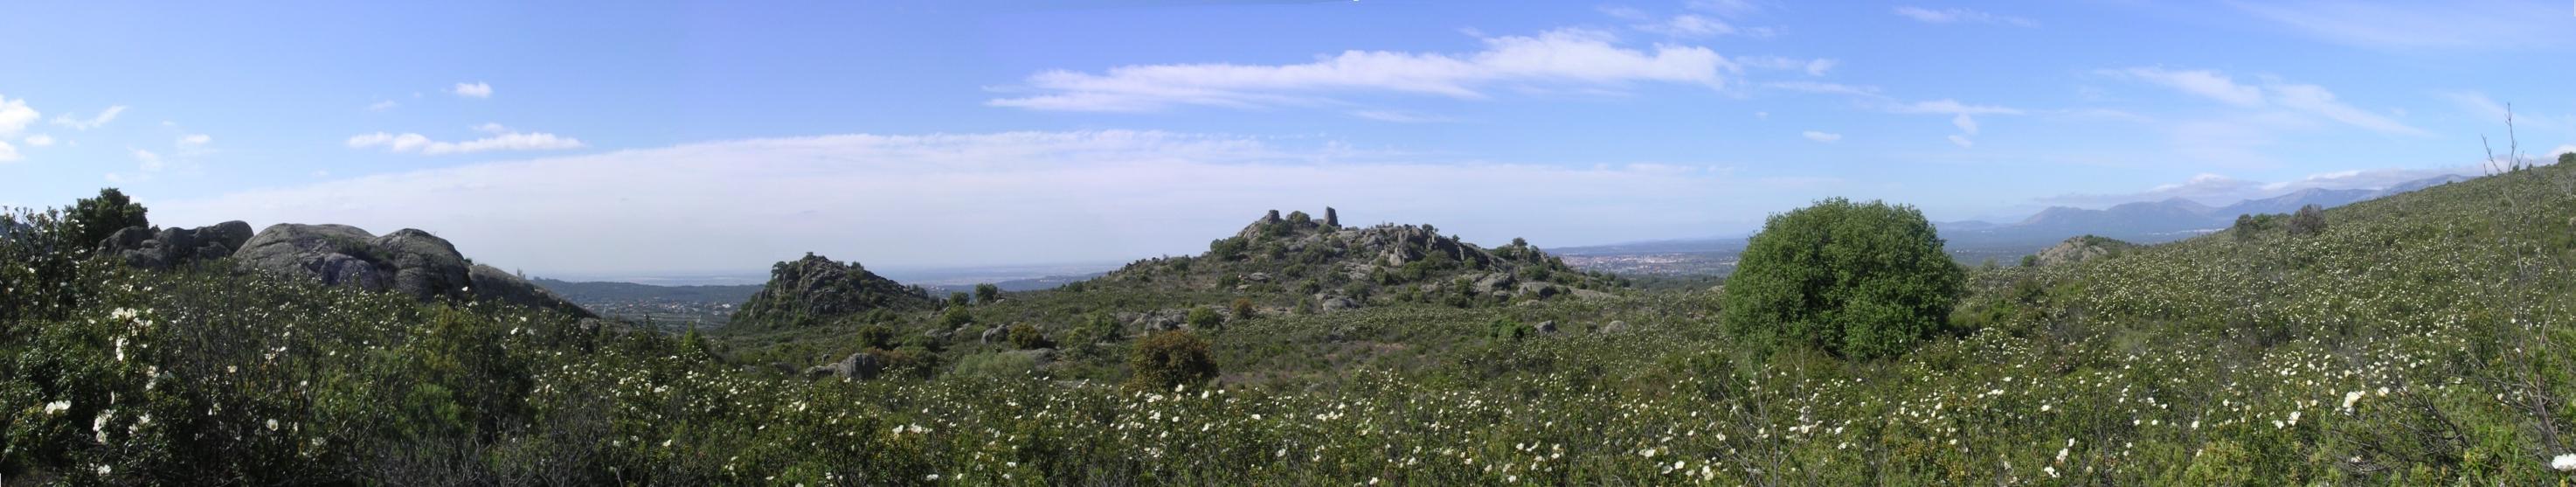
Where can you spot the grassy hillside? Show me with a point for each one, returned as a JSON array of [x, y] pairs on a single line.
[[2419, 339]]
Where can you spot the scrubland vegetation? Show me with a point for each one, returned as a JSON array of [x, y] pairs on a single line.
[[2424, 338]]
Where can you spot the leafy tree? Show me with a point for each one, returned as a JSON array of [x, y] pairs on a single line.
[[2567, 159], [956, 316], [1171, 358], [2310, 220], [987, 293], [1205, 318], [1857, 280], [94, 219], [1027, 337], [958, 298]]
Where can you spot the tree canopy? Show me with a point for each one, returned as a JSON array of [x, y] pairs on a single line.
[[1858, 280]]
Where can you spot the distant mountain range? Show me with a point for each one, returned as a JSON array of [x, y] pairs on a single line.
[[2158, 221], [2141, 222]]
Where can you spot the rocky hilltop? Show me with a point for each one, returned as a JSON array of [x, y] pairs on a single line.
[[815, 290], [1325, 265], [408, 261], [2080, 249]]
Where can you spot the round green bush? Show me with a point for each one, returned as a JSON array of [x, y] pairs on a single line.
[[1170, 358], [1858, 280]]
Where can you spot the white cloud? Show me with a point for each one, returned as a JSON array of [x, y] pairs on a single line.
[[194, 140], [77, 123], [1813, 67], [9, 153], [382, 106], [1962, 141], [1397, 116], [1557, 57], [150, 162], [476, 89], [2466, 24], [40, 140], [2312, 100], [14, 115], [2552, 155], [1825, 88], [1954, 15], [1953, 107], [1089, 196], [2207, 84], [491, 128], [1821, 136], [514, 141], [1965, 124]]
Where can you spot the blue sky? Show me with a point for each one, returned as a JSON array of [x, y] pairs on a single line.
[[607, 139]]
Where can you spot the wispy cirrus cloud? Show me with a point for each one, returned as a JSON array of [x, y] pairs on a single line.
[[1961, 16], [497, 141], [2272, 94], [94, 121], [2465, 24], [1567, 57]]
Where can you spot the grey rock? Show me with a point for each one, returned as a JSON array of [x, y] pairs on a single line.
[[409, 261], [1336, 303], [1615, 326], [1548, 326], [995, 334], [171, 247], [860, 366]]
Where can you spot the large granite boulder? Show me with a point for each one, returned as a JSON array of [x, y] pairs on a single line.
[[169, 247], [408, 261], [862, 366]]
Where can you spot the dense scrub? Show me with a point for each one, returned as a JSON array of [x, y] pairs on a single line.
[[2419, 339]]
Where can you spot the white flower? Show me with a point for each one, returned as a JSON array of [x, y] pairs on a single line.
[[2349, 398], [932, 477], [272, 425], [57, 407], [2564, 463]]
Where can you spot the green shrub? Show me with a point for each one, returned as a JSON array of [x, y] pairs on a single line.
[[1027, 337], [877, 337], [1205, 318], [1171, 358], [1858, 280], [1242, 308]]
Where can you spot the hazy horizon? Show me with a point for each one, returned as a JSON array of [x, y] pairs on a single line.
[[688, 139]]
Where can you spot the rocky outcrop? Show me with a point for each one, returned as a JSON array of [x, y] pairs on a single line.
[[408, 261], [169, 247], [815, 290], [1156, 320], [1297, 256], [861, 366], [2081, 249]]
